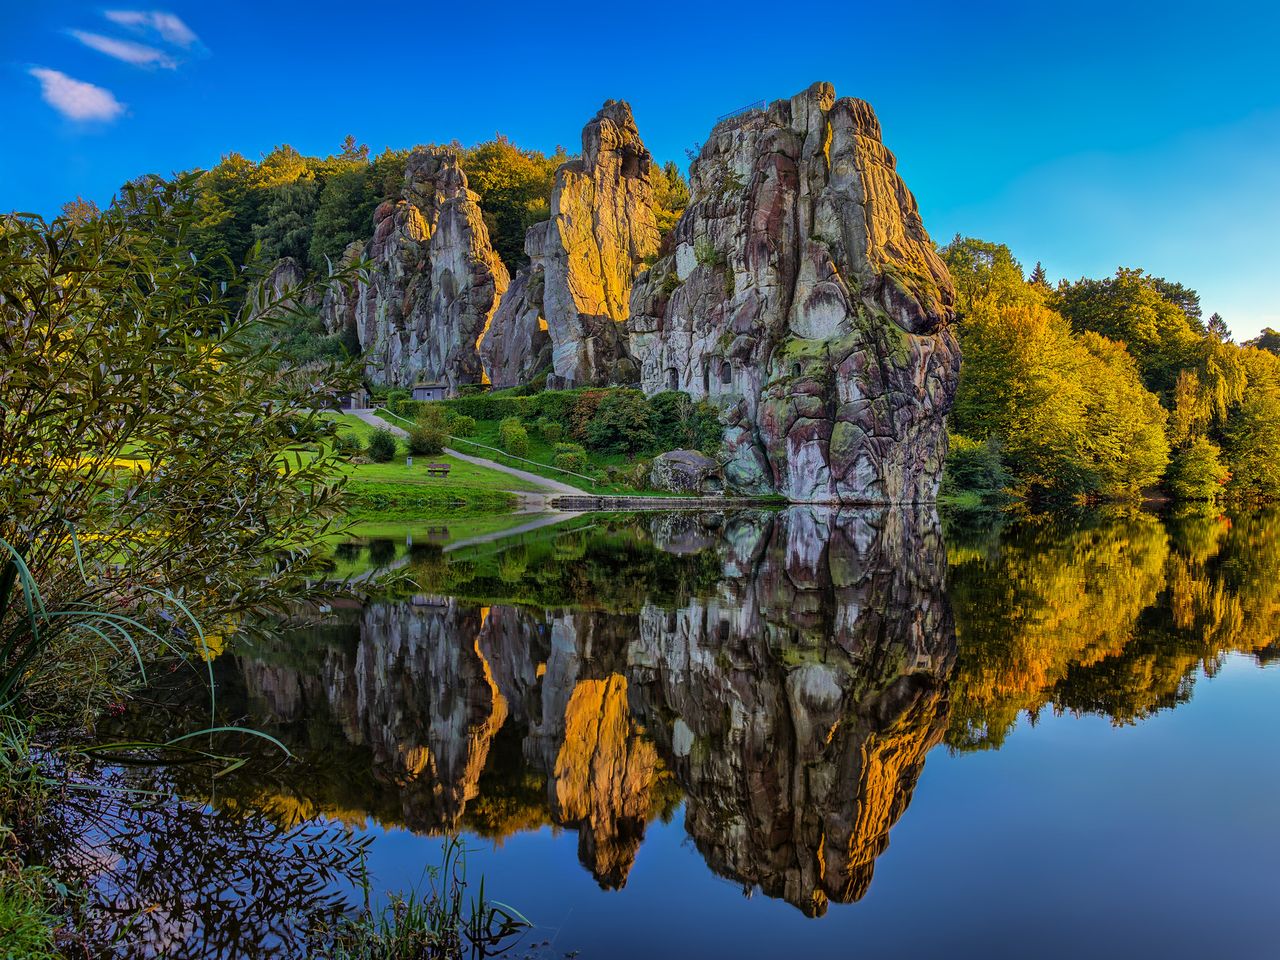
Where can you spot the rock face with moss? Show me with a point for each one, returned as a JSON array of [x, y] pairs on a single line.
[[569, 305], [803, 294], [434, 280]]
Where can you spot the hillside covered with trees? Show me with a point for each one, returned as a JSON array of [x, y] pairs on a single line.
[[1091, 389], [1105, 388]]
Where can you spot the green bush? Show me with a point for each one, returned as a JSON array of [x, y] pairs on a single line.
[[973, 465], [671, 419], [621, 424], [708, 432], [551, 430], [348, 445], [382, 446], [574, 461], [513, 437], [570, 448], [429, 432], [405, 407], [461, 426], [488, 406]]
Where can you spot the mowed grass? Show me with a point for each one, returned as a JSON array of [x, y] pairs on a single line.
[[467, 476]]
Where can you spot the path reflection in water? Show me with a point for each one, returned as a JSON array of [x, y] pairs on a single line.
[[783, 675]]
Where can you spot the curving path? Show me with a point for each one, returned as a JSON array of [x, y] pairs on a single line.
[[547, 486]]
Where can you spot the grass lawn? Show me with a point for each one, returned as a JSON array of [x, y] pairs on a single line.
[[543, 455], [463, 474]]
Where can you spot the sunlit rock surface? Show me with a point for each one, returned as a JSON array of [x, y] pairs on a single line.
[[792, 704], [434, 280], [803, 294], [569, 304]]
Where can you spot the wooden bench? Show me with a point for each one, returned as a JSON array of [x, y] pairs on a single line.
[[437, 469]]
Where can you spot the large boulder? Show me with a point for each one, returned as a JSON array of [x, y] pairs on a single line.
[[803, 295], [582, 262], [433, 281], [685, 471]]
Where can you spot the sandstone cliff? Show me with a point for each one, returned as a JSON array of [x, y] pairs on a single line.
[[803, 294], [793, 703], [433, 280], [575, 294]]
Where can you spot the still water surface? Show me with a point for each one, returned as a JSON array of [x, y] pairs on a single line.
[[772, 735]]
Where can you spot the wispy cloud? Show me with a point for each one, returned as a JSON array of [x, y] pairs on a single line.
[[75, 99], [137, 54], [168, 26]]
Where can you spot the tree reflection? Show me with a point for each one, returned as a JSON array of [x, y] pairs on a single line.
[[784, 675]]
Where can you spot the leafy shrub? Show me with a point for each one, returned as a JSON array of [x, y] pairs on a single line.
[[973, 465], [488, 406], [405, 407], [556, 405], [513, 437], [551, 430], [461, 425], [671, 419], [705, 426], [583, 412], [573, 460], [393, 396], [382, 446], [348, 445], [429, 433], [570, 448], [622, 423]]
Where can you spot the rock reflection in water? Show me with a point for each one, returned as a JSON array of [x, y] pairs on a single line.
[[792, 702]]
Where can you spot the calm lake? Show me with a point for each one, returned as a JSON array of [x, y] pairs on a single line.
[[761, 734]]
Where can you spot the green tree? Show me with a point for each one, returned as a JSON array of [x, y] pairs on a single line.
[[1039, 278], [1123, 444], [1267, 340], [1196, 471], [670, 196], [622, 423], [1251, 435], [287, 213], [1069, 412], [514, 185], [1131, 308], [1217, 328]]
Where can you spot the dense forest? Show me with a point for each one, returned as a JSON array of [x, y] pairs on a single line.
[[1105, 388], [1090, 389]]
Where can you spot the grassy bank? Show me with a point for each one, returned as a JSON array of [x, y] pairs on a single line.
[[398, 491]]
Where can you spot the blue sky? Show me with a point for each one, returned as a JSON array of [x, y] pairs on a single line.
[[1086, 136]]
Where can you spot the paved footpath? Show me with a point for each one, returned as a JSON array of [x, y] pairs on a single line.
[[546, 486]]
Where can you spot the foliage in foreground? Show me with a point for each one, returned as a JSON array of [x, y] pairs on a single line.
[[148, 446], [441, 924]]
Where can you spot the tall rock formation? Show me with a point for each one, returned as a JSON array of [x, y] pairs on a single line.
[[575, 294], [804, 295], [434, 280]]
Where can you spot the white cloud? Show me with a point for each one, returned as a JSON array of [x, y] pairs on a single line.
[[167, 25], [137, 54], [76, 99]]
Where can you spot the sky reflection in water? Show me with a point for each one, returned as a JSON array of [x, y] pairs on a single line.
[[635, 720]]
